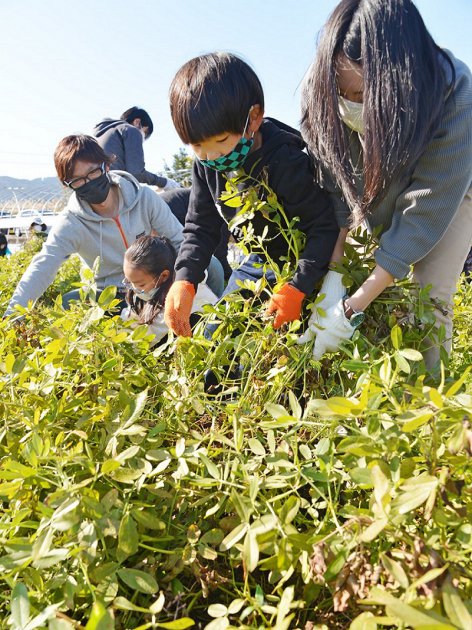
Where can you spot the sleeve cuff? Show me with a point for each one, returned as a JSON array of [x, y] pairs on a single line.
[[398, 268]]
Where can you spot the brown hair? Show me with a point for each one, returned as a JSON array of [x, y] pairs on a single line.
[[77, 147]]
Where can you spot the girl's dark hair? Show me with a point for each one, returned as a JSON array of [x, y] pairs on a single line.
[[153, 254], [405, 87], [77, 147], [136, 112], [212, 94]]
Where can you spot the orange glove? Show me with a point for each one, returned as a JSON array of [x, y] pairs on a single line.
[[286, 304], [178, 307]]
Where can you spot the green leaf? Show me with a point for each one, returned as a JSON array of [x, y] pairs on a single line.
[[289, 510], [402, 363], [396, 570], [256, 447], [148, 519], [128, 536], [250, 552], [396, 336], [374, 529], [210, 466], [110, 465], [276, 411], [455, 387], [52, 557], [429, 576], [365, 621], [362, 477], [121, 603], [411, 354], [60, 624], [138, 580], [454, 606], [335, 566], [414, 419], [409, 615], [20, 606], [178, 624], [415, 492], [106, 296], [295, 406], [217, 610], [100, 618], [233, 202], [343, 406]]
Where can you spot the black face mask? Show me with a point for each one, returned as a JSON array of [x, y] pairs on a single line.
[[95, 191]]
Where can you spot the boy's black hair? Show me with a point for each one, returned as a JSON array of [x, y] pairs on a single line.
[[212, 94], [136, 112]]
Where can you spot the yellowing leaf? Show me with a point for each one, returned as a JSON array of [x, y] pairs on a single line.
[[414, 419]]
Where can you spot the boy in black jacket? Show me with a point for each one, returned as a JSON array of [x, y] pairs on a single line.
[[217, 106]]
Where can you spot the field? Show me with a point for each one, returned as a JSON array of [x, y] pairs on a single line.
[[309, 495]]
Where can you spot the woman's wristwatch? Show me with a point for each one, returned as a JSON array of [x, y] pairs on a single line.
[[355, 318]]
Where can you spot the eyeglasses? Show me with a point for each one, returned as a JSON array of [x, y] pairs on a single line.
[[77, 182]]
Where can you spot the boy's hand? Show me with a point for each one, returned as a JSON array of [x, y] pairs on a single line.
[[178, 307], [286, 304]]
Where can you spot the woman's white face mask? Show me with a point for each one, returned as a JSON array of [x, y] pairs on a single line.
[[352, 114]]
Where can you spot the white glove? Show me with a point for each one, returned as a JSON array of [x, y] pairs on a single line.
[[336, 328], [333, 290], [171, 183]]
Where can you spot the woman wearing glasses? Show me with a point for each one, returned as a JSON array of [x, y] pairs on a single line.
[[106, 213]]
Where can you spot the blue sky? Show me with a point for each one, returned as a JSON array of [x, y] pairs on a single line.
[[65, 64]]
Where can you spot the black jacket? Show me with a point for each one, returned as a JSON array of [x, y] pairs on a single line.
[[288, 171]]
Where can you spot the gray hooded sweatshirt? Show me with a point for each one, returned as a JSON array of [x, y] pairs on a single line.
[[80, 230], [125, 142]]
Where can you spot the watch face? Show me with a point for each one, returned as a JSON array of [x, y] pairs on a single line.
[[357, 319]]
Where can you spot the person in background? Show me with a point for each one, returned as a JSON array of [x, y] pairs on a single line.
[[124, 139], [38, 227], [106, 213], [387, 115], [149, 274], [217, 106], [4, 251]]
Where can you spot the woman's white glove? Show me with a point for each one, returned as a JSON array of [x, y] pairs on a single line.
[[335, 328], [170, 184], [333, 290]]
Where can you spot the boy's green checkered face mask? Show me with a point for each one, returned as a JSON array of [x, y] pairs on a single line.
[[235, 158]]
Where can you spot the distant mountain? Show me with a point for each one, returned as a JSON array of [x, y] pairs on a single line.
[[42, 189]]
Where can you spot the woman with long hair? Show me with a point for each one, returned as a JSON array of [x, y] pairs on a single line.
[[387, 115]]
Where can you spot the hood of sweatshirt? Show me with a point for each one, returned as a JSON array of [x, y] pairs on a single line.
[[105, 125]]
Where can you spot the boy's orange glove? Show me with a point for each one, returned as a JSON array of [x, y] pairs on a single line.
[[286, 304], [178, 307]]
